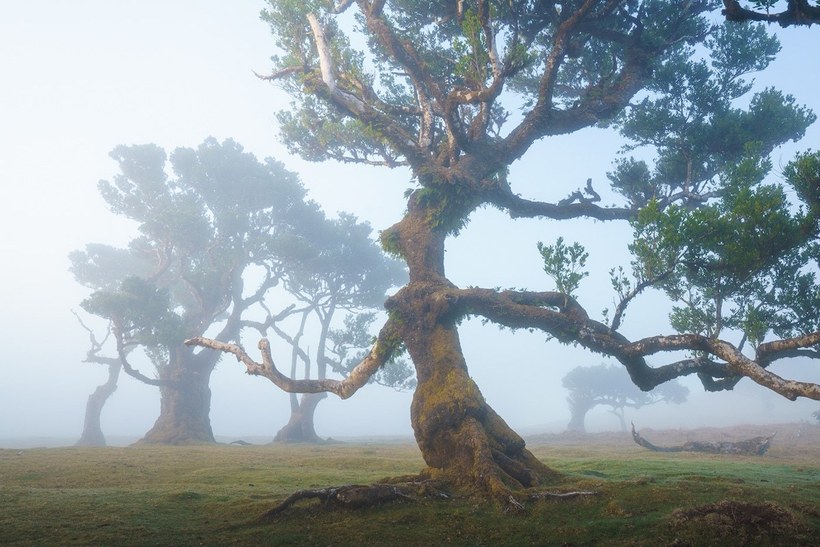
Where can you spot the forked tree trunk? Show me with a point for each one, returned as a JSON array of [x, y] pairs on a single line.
[[185, 405], [300, 428], [92, 431]]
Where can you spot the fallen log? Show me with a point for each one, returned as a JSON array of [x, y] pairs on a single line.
[[756, 446]]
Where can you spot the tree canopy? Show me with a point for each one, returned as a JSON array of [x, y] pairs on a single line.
[[219, 214], [458, 91]]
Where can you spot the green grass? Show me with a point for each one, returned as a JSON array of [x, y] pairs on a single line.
[[210, 494]]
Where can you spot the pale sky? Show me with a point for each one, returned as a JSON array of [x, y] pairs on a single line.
[[81, 77]]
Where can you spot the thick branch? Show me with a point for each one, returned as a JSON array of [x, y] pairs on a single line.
[[519, 207], [358, 377], [797, 12], [600, 102], [351, 104], [562, 317], [735, 360], [122, 352]]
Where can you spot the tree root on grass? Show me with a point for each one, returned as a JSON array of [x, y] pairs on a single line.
[[356, 496]]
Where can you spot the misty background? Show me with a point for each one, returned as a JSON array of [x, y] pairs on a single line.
[[80, 78]]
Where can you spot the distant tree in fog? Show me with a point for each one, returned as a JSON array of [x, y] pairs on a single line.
[[609, 385], [221, 214], [341, 276]]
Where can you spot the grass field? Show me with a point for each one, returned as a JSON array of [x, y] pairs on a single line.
[[209, 495]]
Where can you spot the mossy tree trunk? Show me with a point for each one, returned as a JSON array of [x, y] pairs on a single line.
[[185, 401], [462, 440], [92, 434]]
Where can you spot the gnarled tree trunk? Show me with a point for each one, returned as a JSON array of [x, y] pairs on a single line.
[[92, 431], [185, 402], [300, 428], [462, 440]]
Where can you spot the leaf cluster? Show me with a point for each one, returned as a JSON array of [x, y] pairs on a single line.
[[691, 120], [564, 264], [743, 262]]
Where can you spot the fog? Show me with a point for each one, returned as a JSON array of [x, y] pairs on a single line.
[[83, 77]]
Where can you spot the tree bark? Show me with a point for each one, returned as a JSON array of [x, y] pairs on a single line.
[[300, 428], [462, 440], [185, 402], [92, 434]]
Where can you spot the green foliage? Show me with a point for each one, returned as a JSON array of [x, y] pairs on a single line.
[[138, 307], [689, 117], [740, 262], [803, 173], [447, 206], [564, 264], [389, 240]]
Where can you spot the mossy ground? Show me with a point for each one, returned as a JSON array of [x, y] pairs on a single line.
[[210, 495]]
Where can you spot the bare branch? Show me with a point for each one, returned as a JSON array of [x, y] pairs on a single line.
[[620, 309], [93, 353], [122, 352], [279, 74], [379, 354], [342, 6], [519, 207]]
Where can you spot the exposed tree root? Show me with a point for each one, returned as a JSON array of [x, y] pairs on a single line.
[[560, 495], [355, 496], [756, 446]]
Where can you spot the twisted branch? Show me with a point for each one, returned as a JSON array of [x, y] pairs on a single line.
[[378, 355], [564, 318]]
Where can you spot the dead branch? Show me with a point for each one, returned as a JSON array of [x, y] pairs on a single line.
[[756, 446]]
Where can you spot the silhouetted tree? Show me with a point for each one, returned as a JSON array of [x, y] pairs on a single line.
[[609, 385], [457, 91]]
